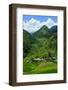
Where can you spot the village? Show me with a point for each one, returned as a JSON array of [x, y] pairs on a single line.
[[52, 59]]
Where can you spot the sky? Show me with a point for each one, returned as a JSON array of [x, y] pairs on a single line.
[[32, 23]]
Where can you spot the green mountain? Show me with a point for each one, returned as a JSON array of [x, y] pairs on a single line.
[[52, 30], [26, 42], [45, 42], [42, 32], [42, 44], [52, 33]]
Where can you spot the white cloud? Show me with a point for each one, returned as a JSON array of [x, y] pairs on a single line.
[[49, 23], [33, 25]]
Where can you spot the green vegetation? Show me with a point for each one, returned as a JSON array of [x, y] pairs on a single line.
[[40, 51], [26, 42]]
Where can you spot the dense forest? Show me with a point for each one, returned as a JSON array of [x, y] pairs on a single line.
[[40, 51]]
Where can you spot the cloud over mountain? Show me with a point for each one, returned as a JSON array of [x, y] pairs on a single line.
[[33, 25]]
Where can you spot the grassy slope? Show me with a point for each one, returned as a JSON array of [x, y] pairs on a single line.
[[46, 67], [41, 67]]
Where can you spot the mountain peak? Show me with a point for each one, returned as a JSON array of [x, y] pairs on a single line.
[[44, 27]]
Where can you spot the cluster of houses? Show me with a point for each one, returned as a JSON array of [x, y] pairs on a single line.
[[44, 59]]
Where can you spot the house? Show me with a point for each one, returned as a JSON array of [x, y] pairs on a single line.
[[38, 59]]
